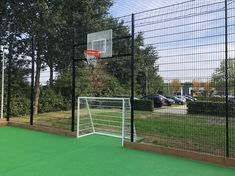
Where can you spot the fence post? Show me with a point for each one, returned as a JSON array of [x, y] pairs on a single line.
[[226, 78], [32, 79], [73, 83], [132, 74]]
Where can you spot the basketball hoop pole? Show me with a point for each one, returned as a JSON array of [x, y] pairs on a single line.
[[132, 74], [73, 83]]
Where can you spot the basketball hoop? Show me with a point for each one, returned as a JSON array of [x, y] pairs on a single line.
[[99, 45], [92, 56]]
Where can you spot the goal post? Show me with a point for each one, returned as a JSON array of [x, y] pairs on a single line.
[[104, 116]]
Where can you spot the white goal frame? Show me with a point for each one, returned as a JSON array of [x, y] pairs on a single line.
[[123, 100]]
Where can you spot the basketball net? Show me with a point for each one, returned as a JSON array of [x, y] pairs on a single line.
[[92, 56]]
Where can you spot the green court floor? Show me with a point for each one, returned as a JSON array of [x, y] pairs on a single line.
[[29, 153]]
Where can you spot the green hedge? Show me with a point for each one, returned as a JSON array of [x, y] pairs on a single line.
[[20, 106], [210, 108], [50, 101], [144, 105], [213, 99]]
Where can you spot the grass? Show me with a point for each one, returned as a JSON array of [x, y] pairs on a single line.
[[196, 133], [27, 153], [61, 119], [189, 132], [169, 107]]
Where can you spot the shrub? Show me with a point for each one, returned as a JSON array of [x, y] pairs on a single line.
[[50, 101], [210, 108], [20, 105], [213, 99], [143, 105]]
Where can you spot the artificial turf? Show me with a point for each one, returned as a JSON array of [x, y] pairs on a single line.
[[30, 153]]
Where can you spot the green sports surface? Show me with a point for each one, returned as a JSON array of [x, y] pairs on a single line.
[[29, 153]]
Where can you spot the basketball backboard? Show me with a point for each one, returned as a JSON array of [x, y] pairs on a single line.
[[101, 41]]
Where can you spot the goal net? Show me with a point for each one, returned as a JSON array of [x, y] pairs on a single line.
[[104, 116]]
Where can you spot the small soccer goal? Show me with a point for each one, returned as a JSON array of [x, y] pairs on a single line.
[[104, 116]]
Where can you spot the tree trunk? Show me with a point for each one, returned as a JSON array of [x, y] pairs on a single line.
[[37, 83], [51, 73]]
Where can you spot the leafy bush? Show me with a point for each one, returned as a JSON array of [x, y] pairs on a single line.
[[112, 87], [212, 99], [210, 108], [144, 105], [20, 105], [50, 101]]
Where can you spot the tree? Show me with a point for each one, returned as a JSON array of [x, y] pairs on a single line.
[[218, 78], [53, 23], [175, 85], [11, 30], [147, 77]]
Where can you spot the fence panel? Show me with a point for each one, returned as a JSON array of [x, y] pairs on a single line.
[[190, 41]]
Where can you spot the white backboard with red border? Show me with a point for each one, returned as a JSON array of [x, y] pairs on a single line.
[[101, 41]]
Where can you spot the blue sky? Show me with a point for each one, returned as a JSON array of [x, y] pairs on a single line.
[[126, 7]]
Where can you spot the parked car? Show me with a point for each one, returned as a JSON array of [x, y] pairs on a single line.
[[171, 100], [167, 102], [177, 100], [157, 100], [190, 98], [182, 98], [194, 98], [231, 100]]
